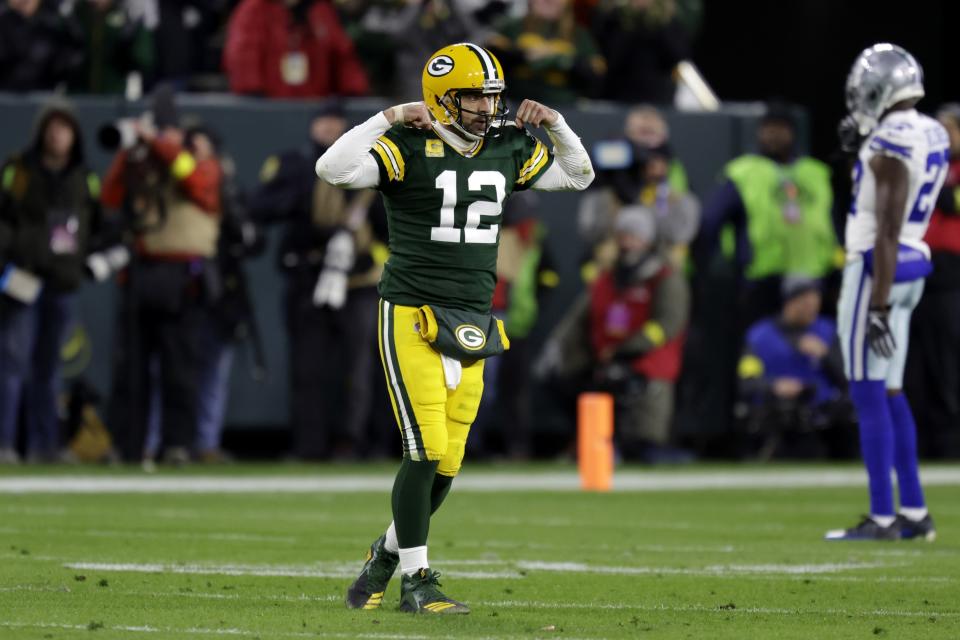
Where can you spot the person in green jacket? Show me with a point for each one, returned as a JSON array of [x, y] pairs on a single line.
[[548, 56], [117, 43], [773, 213]]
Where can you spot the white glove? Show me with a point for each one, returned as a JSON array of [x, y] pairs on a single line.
[[331, 289], [104, 264], [98, 266], [339, 252]]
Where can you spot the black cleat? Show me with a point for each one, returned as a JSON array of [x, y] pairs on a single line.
[[366, 592], [867, 529], [420, 593], [914, 529]]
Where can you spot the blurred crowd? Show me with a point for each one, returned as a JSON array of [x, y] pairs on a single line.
[[716, 312], [554, 51], [720, 311]]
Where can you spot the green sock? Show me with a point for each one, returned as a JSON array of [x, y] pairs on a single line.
[[441, 487], [412, 500]]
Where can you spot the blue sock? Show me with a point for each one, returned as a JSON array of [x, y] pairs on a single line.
[[876, 441], [905, 452]]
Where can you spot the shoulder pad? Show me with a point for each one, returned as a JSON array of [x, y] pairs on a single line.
[[896, 137]]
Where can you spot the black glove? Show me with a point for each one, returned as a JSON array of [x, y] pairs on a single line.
[[879, 336], [849, 133]]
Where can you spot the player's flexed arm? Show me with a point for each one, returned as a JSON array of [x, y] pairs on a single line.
[[572, 170], [348, 163], [893, 184]]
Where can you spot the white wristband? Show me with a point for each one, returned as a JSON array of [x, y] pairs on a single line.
[[398, 114]]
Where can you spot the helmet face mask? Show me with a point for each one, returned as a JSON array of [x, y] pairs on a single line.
[[882, 76], [493, 121], [459, 69]]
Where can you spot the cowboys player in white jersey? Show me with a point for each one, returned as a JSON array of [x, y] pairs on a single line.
[[901, 165]]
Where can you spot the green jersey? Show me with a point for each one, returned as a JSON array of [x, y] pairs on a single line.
[[444, 213]]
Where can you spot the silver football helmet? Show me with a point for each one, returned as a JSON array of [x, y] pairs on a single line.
[[882, 76]]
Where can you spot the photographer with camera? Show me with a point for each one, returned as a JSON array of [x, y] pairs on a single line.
[[625, 335], [169, 192], [48, 215]]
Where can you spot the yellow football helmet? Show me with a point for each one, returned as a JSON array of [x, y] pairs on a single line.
[[463, 67]]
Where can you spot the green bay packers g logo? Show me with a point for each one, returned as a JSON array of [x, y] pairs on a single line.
[[440, 66], [470, 337]]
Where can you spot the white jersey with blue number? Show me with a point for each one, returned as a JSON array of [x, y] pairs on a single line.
[[922, 144]]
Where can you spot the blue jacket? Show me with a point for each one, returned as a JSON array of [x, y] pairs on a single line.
[[775, 346]]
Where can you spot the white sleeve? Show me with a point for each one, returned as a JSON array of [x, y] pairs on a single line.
[[571, 169], [348, 163]]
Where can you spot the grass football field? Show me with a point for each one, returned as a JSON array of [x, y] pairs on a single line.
[[267, 552]]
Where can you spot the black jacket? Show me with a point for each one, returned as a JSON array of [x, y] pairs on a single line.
[[38, 52], [48, 219]]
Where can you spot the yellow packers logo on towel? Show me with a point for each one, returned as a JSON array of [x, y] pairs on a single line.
[[434, 148], [470, 337]]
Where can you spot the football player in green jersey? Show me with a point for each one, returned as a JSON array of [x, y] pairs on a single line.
[[444, 167]]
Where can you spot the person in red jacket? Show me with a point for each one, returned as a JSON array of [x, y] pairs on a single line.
[[291, 49], [627, 330], [168, 190], [933, 366]]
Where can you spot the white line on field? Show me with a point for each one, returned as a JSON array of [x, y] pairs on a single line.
[[263, 571], [499, 482], [345, 570]]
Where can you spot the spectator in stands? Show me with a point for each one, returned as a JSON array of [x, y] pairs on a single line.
[[791, 373], [626, 333], [777, 205], [638, 168], [525, 278], [116, 43], [291, 49], [48, 216], [642, 41], [933, 379], [182, 33], [40, 48], [170, 194], [332, 260], [547, 55], [400, 37]]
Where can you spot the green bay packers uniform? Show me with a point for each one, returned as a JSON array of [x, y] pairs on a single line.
[[444, 189], [444, 216], [444, 212]]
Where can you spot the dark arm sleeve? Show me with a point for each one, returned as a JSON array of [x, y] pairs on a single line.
[[724, 206]]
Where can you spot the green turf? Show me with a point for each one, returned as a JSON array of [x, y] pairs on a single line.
[[677, 564]]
